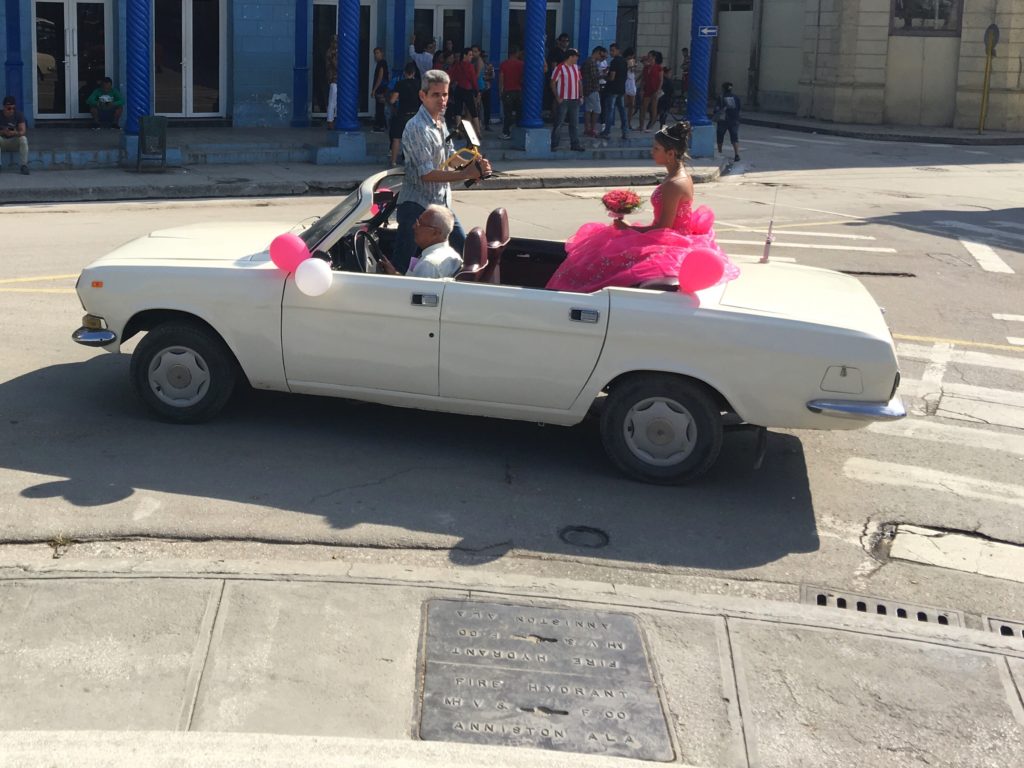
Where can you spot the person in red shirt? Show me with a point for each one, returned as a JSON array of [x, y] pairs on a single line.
[[464, 79], [567, 87], [652, 77], [510, 83]]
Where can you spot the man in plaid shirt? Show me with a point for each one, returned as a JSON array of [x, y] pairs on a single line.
[[590, 70], [567, 87]]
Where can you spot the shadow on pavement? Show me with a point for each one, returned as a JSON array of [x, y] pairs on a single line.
[[429, 478]]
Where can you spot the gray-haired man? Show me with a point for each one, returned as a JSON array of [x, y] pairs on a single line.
[[427, 145], [437, 259]]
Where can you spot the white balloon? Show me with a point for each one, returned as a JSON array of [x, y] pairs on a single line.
[[313, 277]]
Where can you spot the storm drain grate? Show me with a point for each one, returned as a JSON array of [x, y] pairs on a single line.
[[878, 606], [1007, 628]]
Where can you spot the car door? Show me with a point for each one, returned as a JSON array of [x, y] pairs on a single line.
[[519, 346], [377, 332]]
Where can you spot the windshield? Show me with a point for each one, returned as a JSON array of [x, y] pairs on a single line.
[[326, 223], [320, 229]]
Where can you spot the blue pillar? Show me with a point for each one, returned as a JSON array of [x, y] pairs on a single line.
[[495, 54], [300, 72], [584, 36], [400, 37], [700, 63], [348, 66], [137, 30], [13, 66], [533, 74]]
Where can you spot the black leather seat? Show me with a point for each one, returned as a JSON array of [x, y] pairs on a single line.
[[497, 242], [474, 257], [660, 284]]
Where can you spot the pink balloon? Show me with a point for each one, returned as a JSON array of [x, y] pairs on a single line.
[[287, 251], [701, 220], [702, 268]]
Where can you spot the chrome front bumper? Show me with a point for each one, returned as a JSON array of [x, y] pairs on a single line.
[[94, 337], [859, 410]]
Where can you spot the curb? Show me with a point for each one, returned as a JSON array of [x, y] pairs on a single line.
[[824, 129], [321, 188]]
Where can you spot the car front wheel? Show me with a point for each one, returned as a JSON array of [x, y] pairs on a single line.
[[661, 429], [183, 372]]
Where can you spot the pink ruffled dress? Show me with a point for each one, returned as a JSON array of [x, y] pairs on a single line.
[[601, 255]]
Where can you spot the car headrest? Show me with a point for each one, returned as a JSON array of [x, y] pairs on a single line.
[[497, 227], [474, 252]]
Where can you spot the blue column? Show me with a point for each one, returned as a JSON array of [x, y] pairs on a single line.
[[401, 39], [138, 99], [13, 66], [348, 66], [300, 72], [533, 74], [700, 63], [495, 55], [584, 36]]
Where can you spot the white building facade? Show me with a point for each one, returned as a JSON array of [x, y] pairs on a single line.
[[894, 62]]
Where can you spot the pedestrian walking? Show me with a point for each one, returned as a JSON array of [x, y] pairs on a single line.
[[590, 72], [652, 79], [727, 119], [615, 92], [380, 89]]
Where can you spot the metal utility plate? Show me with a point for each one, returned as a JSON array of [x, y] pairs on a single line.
[[549, 678]]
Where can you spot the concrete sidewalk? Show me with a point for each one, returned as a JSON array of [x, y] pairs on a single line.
[[286, 663], [910, 133], [275, 180]]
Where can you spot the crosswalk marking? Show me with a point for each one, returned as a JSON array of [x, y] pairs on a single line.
[[986, 231], [757, 257], [980, 411], [814, 246], [962, 356], [921, 387], [987, 258], [1008, 224], [925, 478], [938, 432], [1017, 341], [802, 233], [769, 144]]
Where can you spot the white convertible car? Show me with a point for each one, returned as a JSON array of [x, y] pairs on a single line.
[[782, 346]]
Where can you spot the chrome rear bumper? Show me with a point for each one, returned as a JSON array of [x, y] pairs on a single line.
[[94, 337], [860, 410]]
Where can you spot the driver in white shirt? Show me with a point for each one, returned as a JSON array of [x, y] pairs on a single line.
[[431, 231]]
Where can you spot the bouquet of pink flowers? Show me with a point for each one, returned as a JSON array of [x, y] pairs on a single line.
[[620, 202]]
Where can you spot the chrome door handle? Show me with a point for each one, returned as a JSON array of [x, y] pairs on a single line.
[[584, 315], [424, 299]]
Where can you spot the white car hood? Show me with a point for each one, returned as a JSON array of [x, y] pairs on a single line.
[[201, 242]]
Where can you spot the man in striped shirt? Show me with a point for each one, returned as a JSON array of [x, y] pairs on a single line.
[[567, 87]]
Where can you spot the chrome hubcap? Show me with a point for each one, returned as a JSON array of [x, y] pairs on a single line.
[[179, 376], [659, 431]]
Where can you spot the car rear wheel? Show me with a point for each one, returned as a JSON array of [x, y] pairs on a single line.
[[183, 372], [661, 429]]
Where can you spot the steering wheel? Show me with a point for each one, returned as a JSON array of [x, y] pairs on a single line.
[[368, 251]]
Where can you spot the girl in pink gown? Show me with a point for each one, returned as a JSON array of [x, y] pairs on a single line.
[[622, 254]]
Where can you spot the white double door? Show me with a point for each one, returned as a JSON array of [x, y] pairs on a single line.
[[189, 62], [441, 21], [72, 50]]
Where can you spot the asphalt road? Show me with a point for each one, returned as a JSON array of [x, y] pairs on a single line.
[[80, 459]]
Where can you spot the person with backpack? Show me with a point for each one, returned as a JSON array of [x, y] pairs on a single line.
[[727, 118]]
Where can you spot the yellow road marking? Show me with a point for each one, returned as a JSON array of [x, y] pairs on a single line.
[[39, 279], [37, 290], [958, 342]]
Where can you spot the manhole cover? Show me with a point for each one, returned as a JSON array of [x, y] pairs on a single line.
[[584, 536], [548, 678]]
